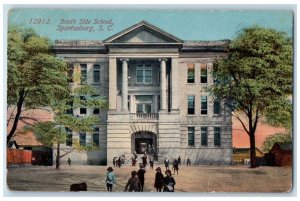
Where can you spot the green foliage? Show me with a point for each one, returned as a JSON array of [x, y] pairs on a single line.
[[35, 76], [254, 77], [256, 73], [271, 140], [49, 133], [33, 68], [78, 147], [75, 123], [280, 114]]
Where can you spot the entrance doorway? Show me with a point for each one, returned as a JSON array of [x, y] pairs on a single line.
[[144, 142]]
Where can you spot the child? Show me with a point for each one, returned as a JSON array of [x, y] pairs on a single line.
[[159, 180], [110, 179]]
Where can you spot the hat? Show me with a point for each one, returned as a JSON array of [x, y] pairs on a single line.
[[109, 169], [158, 169], [169, 172]]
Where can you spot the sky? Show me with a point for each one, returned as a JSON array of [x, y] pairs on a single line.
[[194, 24]]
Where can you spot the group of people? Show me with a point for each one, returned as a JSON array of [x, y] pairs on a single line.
[[136, 182], [144, 160], [118, 161], [176, 164]]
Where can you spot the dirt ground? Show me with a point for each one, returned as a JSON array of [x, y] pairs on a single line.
[[190, 179]]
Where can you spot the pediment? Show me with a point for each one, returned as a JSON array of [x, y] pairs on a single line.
[[143, 33]]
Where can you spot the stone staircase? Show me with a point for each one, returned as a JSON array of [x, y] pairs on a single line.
[[128, 158]]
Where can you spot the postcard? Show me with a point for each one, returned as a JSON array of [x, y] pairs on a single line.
[[149, 100]]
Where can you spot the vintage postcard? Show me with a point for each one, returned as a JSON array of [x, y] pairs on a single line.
[[149, 100]]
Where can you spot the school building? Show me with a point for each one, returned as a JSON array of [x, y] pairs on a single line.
[[158, 103]]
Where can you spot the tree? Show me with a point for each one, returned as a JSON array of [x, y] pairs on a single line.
[[278, 137], [54, 133], [280, 114], [255, 74], [35, 76]]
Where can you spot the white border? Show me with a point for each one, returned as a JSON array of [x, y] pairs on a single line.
[[213, 4]]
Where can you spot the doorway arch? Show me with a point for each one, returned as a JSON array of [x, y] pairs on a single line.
[[143, 142]]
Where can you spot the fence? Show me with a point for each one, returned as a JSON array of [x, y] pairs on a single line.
[[19, 156]]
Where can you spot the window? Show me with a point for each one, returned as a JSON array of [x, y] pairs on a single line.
[[191, 104], [203, 135], [191, 73], [144, 74], [158, 98], [82, 110], [96, 73], [82, 139], [83, 70], [203, 104], [217, 106], [203, 77], [96, 111], [144, 103], [191, 136], [217, 136], [96, 137], [69, 137], [143, 108]]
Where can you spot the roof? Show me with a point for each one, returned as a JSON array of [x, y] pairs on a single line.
[[79, 43], [287, 146], [245, 150], [144, 25], [26, 139]]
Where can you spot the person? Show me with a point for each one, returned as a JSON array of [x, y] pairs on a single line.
[[159, 180], [110, 179], [119, 162], [179, 160], [144, 159], [114, 161], [166, 163], [151, 162], [169, 182], [175, 166], [133, 184], [188, 162], [69, 161], [133, 161], [123, 159], [141, 175]]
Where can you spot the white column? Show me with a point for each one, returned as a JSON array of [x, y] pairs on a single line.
[[124, 84], [175, 81], [112, 83], [163, 86]]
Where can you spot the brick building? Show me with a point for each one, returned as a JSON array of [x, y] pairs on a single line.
[[155, 83]]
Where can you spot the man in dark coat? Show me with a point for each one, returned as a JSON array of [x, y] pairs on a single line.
[[179, 160], [141, 175], [175, 166], [144, 158], [159, 180], [151, 162], [119, 162]]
